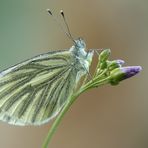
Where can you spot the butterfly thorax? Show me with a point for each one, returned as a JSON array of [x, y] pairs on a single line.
[[82, 57]]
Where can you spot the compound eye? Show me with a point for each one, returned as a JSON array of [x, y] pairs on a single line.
[[81, 40]]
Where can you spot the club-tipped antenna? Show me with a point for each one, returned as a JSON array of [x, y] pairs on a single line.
[[65, 21], [68, 34]]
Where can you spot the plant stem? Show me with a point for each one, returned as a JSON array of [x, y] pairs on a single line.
[[58, 119], [65, 109]]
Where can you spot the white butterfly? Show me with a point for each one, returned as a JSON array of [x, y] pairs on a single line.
[[34, 91]]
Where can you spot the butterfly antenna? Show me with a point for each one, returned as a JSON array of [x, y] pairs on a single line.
[[65, 21], [62, 28]]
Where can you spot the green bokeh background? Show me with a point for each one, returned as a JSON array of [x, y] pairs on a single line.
[[108, 117]]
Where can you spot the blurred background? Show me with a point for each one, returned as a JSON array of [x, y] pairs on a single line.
[[107, 117]]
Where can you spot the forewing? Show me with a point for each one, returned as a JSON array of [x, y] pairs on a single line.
[[33, 92]]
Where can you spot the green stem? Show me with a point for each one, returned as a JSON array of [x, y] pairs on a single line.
[[65, 109], [95, 83], [58, 120]]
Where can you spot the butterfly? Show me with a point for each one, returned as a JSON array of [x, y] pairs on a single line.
[[34, 91]]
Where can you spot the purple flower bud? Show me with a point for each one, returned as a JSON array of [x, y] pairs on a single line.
[[131, 70], [122, 73], [120, 62], [115, 64]]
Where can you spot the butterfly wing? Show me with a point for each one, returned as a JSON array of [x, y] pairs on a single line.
[[33, 92]]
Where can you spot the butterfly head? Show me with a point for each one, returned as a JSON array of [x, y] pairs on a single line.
[[80, 43], [80, 49]]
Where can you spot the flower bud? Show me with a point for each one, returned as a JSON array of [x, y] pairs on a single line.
[[122, 73], [115, 64], [104, 55]]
